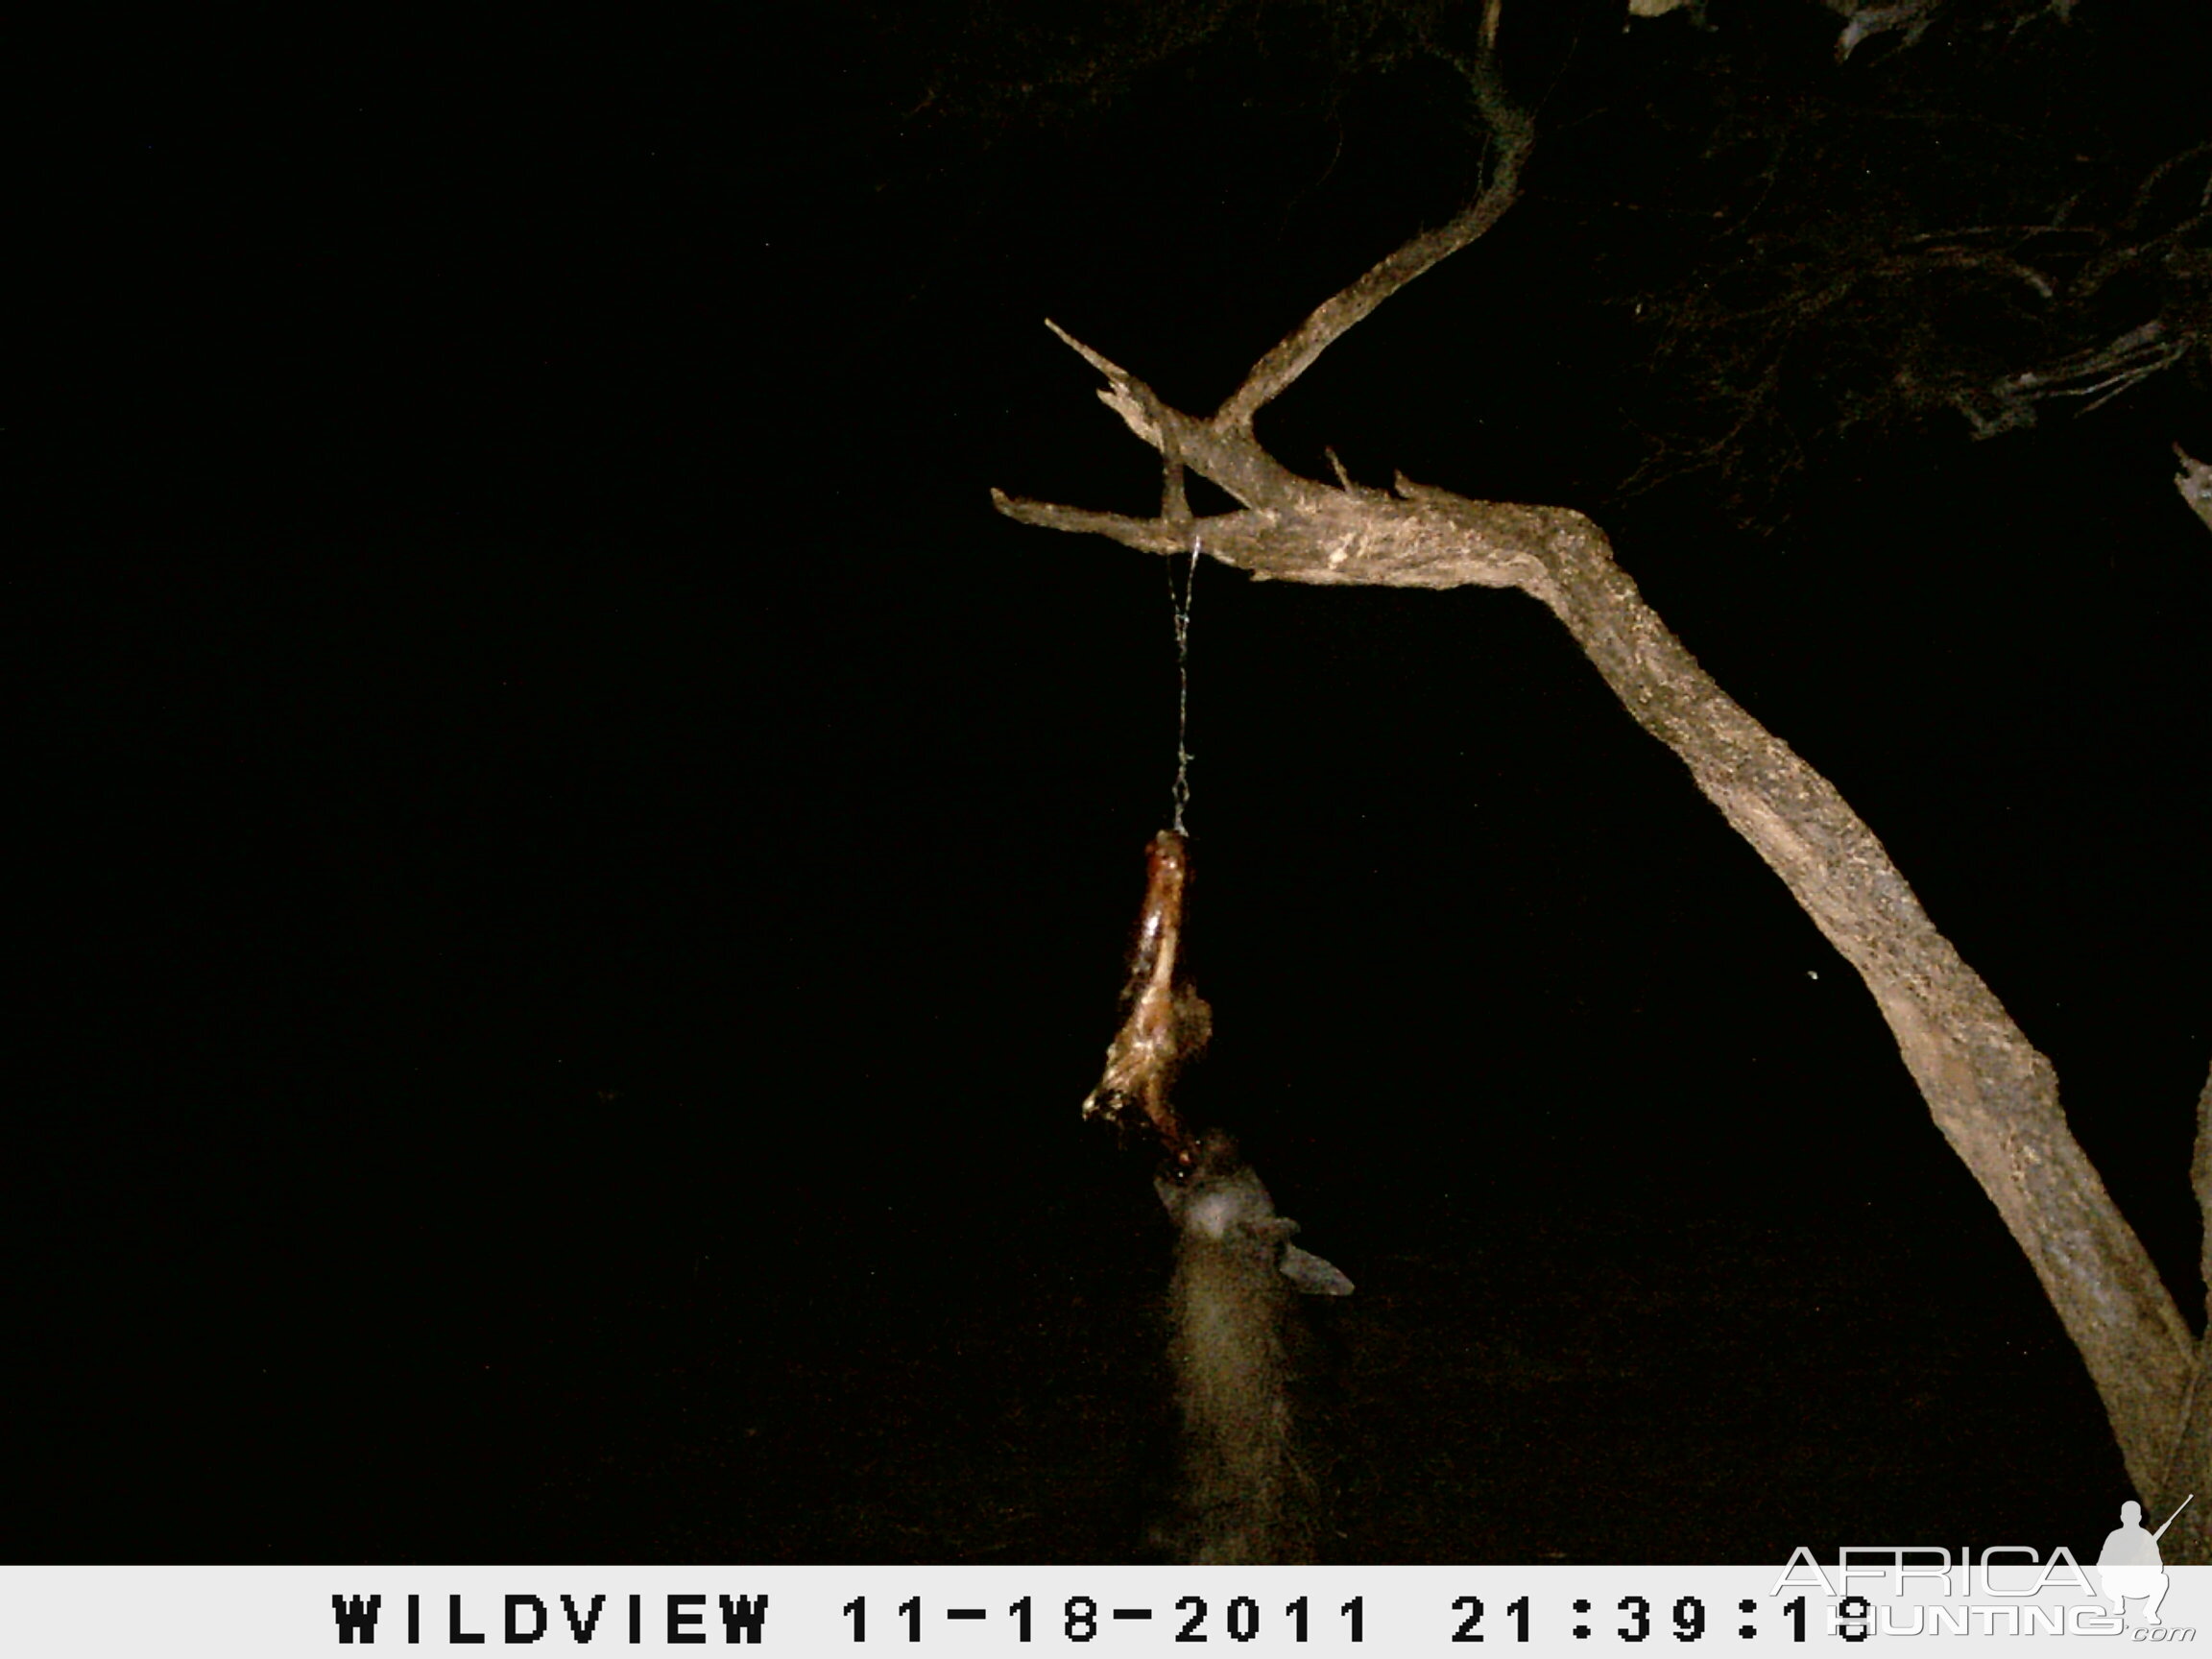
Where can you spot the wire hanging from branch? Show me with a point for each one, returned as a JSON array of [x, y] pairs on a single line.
[[1182, 604]]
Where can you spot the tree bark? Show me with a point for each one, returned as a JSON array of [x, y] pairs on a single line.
[[2189, 1469], [1994, 1097]]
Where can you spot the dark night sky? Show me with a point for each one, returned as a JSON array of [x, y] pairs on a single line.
[[577, 872]]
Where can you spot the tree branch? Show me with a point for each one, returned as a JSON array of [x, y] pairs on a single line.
[[1304, 344], [1994, 1097], [2192, 1454], [1991, 1093]]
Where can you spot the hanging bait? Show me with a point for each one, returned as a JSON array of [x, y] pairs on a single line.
[[1164, 1023]]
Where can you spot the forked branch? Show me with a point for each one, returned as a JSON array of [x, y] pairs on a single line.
[[1992, 1094]]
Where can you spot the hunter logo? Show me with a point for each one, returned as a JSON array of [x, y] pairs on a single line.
[[2130, 1566]]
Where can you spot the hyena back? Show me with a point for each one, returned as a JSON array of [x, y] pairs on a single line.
[[1246, 1497]]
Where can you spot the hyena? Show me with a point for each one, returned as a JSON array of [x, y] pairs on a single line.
[[1245, 1495]]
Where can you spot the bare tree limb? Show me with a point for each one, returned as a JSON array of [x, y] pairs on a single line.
[[2195, 482], [2192, 1454], [1304, 344], [1991, 1093]]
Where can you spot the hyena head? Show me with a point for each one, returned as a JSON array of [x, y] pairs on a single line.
[[1246, 1497]]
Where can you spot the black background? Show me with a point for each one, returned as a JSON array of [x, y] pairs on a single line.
[[576, 873]]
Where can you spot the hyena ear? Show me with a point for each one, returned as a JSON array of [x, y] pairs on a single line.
[[1312, 1275]]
